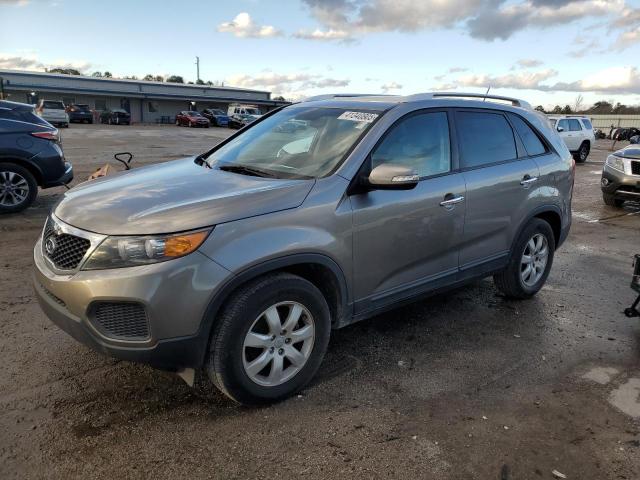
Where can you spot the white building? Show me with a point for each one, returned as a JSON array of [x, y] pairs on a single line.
[[147, 102]]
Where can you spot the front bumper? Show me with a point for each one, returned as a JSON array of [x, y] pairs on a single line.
[[620, 184], [175, 296]]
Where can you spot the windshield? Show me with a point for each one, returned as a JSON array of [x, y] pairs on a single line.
[[297, 142]]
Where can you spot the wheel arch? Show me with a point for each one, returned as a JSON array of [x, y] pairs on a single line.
[[550, 214], [33, 170], [323, 272]]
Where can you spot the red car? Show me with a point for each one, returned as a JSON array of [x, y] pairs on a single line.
[[191, 118]]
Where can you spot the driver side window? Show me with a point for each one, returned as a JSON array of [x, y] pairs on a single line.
[[420, 142]]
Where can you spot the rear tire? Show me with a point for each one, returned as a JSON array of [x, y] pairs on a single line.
[[583, 152], [23, 189], [513, 281], [611, 200], [284, 365]]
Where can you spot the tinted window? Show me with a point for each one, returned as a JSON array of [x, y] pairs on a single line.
[[420, 142], [564, 124], [53, 105], [484, 138], [587, 124], [574, 125], [531, 141]]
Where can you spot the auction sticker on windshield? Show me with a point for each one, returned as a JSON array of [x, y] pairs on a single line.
[[358, 117]]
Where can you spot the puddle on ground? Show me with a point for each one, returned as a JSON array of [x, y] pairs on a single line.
[[601, 375], [627, 397]]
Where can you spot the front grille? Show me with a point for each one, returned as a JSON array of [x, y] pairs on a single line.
[[64, 250], [635, 168], [124, 320]]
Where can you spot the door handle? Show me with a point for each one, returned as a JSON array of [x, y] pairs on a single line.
[[450, 200], [528, 180]]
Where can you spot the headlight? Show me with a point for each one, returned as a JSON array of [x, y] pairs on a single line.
[[117, 252], [615, 162]]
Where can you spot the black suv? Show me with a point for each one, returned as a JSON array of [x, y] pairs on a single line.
[[30, 156]]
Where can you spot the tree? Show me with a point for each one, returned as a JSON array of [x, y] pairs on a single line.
[[65, 71], [132, 77], [97, 74], [279, 98], [577, 103], [601, 107], [566, 110], [200, 82], [175, 79], [539, 108], [557, 109], [107, 75], [148, 78]]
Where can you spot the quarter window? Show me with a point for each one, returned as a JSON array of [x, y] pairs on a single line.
[[420, 142], [484, 138], [531, 141], [574, 125], [587, 124]]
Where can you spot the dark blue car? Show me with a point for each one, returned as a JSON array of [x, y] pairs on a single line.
[[217, 117], [80, 113], [30, 156]]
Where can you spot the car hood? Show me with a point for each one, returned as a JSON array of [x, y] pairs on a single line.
[[630, 151], [174, 196]]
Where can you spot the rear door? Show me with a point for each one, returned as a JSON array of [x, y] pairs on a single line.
[[500, 179]]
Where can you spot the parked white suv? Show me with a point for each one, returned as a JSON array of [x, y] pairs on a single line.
[[577, 133], [54, 112]]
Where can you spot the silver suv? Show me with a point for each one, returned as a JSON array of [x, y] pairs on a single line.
[[234, 266]]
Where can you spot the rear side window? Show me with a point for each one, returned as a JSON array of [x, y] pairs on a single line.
[[420, 142], [532, 142], [574, 125], [484, 138], [587, 124]]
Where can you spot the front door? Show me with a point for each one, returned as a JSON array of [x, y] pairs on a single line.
[[404, 240], [572, 138]]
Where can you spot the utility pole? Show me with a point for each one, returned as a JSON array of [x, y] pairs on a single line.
[[198, 68]]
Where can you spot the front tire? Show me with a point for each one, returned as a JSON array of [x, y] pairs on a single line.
[[611, 200], [529, 263], [270, 339], [18, 188]]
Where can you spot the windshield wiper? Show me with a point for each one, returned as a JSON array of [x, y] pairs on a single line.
[[246, 170]]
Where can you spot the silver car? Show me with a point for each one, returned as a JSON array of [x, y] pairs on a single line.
[[232, 267], [54, 112], [620, 179]]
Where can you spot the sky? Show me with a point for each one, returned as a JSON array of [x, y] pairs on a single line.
[[547, 52]]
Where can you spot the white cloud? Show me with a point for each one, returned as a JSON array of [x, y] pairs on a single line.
[[484, 19], [17, 3], [615, 80], [32, 62], [243, 26], [390, 86], [327, 35], [529, 63], [292, 85]]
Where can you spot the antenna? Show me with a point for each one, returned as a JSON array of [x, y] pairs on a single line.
[[198, 68], [486, 93]]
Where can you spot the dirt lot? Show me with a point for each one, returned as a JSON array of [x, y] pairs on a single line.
[[463, 386]]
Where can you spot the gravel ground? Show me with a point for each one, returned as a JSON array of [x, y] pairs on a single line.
[[467, 385]]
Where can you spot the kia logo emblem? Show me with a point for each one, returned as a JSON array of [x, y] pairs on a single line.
[[50, 245]]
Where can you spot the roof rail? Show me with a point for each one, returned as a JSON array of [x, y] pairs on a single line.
[[514, 101], [328, 96]]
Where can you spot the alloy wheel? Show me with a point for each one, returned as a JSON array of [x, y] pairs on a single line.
[[278, 344], [14, 189], [534, 260]]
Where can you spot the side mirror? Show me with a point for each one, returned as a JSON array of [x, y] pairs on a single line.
[[393, 177], [560, 129]]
